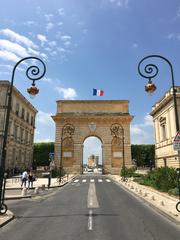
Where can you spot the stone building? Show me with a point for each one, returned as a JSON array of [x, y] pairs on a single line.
[[21, 128], [108, 120], [93, 161], [165, 129]]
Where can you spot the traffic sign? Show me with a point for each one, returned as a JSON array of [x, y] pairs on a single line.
[[51, 156], [176, 142]]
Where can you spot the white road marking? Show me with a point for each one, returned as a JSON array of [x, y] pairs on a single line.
[[77, 180], [92, 201], [100, 180], [90, 220], [91, 180], [84, 180], [108, 180]]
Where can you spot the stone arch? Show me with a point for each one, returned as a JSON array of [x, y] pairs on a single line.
[[108, 120], [100, 161]]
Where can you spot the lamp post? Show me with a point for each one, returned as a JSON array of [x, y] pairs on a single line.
[[34, 73], [150, 72]]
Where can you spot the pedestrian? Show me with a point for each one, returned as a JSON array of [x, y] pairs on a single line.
[[24, 178], [30, 179]]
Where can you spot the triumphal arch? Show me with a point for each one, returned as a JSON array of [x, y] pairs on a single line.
[[76, 120]]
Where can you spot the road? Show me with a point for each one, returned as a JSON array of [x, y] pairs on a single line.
[[91, 207]]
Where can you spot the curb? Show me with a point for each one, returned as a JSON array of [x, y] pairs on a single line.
[[16, 197], [11, 217], [165, 214], [30, 196]]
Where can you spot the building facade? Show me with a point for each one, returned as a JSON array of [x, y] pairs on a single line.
[[19, 154], [108, 120], [93, 161], [165, 129]]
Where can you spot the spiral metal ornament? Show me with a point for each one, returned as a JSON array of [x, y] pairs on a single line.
[[33, 72], [150, 70]]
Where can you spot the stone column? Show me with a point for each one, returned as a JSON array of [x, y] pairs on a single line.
[[106, 157]]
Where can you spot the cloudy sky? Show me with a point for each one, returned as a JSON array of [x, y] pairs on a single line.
[[88, 44]]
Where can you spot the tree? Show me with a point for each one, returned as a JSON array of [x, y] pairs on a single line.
[[144, 154], [41, 153]]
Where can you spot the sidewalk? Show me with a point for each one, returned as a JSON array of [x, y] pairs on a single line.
[[163, 202], [40, 188]]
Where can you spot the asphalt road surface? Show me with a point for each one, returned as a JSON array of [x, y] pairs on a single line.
[[90, 207]]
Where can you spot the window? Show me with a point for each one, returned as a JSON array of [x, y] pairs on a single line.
[[163, 127], [32, 121], [162, 121], [22, 135], [17, 109], [22, 113], [26, 137], [27, 117], [15, 131], [165, 162]]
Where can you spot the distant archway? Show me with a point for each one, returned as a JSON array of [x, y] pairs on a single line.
[[92, 155]]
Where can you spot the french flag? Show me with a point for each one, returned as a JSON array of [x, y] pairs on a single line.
[[97, 92]]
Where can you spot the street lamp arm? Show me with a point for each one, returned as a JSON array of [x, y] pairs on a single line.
[[34, 73], [151, 71]]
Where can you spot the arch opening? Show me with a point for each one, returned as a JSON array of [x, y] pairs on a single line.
[[92, 155]]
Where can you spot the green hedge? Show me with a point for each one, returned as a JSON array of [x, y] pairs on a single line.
[[163, 179]]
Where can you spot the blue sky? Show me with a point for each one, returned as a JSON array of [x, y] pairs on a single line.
[[88, 44]]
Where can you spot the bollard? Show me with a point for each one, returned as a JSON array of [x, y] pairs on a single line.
[[136, 189], [153, 198], [162, 203], [145, 194], [140, 191], [43, 187], [24, 192], [36, 190], [132, 187]]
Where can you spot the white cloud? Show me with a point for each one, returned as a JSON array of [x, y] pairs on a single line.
[[120, 3], [46, 79], [52, 44], [42, 39], [13, 48], [29, 23], [48, 16], [67, 93], [143, 133], [49, 26], [60, 23], [6, 66], [44, 56], [66, 37], [17, 37], [34, 52], [67, 43], [5, 55], [44, 118], [61, 11], [38, 140]]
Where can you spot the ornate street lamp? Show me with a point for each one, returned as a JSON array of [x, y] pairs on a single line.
[[151, 71], [34, 73]]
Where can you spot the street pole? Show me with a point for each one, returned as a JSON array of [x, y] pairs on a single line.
[[123, 157], [34, 74], [151, 71]]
